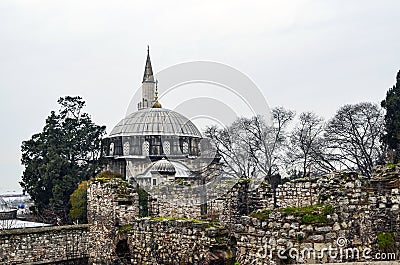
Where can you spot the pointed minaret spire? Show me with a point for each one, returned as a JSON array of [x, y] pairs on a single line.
[[148, 70], [148, 85]]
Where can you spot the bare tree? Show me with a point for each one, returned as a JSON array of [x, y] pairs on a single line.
[[354, 134], [269, 140], [250, 145], [306, 148], [233, 144]]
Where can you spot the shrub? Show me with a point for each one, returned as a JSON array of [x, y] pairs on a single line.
[[78, 200]]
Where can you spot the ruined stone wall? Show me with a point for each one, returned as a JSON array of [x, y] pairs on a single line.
[[119, 236], [297, 193], [356, 211], [177, 201], [112, 203], [176, 242], [47, 244], [309, 215]]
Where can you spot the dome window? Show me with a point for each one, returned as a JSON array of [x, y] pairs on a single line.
[[167, 147], [126, 149], [145, 148], [112, 149]]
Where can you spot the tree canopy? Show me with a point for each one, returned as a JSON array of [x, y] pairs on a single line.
[[392, 121], [56, 160]]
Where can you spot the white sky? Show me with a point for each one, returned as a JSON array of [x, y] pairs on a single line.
[[304, 55]]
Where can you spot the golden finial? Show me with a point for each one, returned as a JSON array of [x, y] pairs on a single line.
[[156, 103]]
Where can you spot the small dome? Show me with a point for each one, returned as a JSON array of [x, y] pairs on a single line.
[[155, 121], [163, 166]]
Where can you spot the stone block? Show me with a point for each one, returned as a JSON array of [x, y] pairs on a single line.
[[320, 246], [316, 238], [323, 229], [330, 236], [336, 226], [281, 241]]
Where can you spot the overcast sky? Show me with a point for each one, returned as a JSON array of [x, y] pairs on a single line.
[[304, 55]]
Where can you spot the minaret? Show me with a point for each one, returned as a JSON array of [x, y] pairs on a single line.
[[148, 85]]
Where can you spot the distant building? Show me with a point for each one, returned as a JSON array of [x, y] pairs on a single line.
[[6, 213], [9, 218]]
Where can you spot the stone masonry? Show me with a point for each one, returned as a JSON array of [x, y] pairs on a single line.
[[47, 244]]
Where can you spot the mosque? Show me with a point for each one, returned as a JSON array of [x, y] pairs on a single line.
[[154, 145]]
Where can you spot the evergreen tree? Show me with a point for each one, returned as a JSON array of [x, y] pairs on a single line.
[[392, 121], [56, 160]]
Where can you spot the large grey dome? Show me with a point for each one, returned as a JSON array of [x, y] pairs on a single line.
[[155, 121]]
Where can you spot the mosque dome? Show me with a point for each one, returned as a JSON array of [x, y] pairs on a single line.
[[166, 167], [163, 166], [155, 121], [151, 131]]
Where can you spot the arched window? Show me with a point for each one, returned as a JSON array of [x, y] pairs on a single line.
[[167, 147], [185, 148], [111, 149], [145, 148], [126, 149]]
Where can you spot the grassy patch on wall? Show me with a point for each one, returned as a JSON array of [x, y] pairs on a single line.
[[309, 214], [385, 241], [261, 214]]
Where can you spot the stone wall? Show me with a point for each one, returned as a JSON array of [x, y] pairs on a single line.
[[118, 236], [112, 203], [309, 214], [47, 244], [176, 242], [358, 210], [297, 193], [259, 241]]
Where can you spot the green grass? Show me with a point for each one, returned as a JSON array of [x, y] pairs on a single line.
[[214, 223], [309, 214], [261, 214], [385, 240], [105, 176], [392, 166], [314, 218], [124, 228]]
